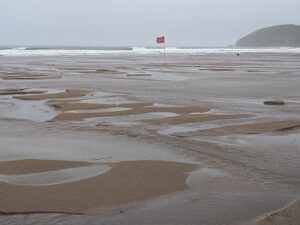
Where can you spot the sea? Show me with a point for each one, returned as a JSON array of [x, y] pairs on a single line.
[[73, 51]]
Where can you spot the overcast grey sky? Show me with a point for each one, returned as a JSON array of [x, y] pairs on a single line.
[[138, 22]]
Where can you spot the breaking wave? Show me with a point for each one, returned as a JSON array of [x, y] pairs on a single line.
[[73, 51]]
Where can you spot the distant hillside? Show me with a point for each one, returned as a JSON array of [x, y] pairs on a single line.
[[276, 36]]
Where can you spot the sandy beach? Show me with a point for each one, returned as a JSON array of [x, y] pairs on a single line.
[[126, 182], [125, 139]]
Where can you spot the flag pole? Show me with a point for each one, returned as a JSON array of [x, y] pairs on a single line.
[[165, 52], [161, 40]]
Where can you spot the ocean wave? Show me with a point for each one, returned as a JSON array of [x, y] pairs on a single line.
[[71, 51]]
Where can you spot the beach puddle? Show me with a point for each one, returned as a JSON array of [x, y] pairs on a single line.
[[114, 109], [135, 109], [202, 177], [107, 100], [55, 177], [192, 127], [168, 77], [132, 119], [29, 110], [194, 117]]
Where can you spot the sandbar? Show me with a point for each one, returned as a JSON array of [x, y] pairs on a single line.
[[193, 118], [26, 166], [66, 94], [126, 182], [254, 128], [133, 111]]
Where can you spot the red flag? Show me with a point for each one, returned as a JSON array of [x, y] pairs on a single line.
[[160, 40]]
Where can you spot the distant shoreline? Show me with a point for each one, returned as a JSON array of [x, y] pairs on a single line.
[[86, 51]]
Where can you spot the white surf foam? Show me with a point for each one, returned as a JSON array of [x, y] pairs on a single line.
[[23, 51]]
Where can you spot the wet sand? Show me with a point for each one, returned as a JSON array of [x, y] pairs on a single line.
[[133, 111], [274, 102], [18, 92], [36, 166], [70, 106], [287, 216], [255, 128], [126, 182], [105, 110], [193, 118], [26, 76], [67, 94]]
